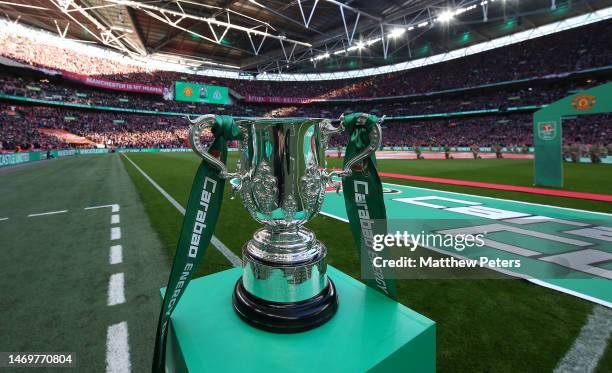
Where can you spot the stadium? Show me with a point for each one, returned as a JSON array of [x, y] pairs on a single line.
[[339, 185]]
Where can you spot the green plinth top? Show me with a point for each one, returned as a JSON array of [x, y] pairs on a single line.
[[369, 332]]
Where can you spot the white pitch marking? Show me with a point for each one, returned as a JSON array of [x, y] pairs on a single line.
[[115, 233], [227, 253], [115, 219], [117, 349], [1, 219], [589, 346], [48, 213], [116, 295], [114, 208], [116, 254]]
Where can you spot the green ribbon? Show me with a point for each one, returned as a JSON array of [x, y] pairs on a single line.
[[365, 206], [199, 224]]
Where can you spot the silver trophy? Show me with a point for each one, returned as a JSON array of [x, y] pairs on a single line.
[[282, 180]]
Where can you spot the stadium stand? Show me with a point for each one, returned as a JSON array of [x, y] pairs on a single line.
[[573, 50], [492, 181], [19, 130], [20, 126], [60, 90], [410, 118]]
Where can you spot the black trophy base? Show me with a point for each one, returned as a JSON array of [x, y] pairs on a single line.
[[280, 317]]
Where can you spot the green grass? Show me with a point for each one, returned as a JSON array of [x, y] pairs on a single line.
[[577, 176], [165, 218], [483, 325], [580, 177], [54, 269], [605, 364]]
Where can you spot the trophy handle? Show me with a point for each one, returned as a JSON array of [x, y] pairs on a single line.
[[195, 132], [375, 141]]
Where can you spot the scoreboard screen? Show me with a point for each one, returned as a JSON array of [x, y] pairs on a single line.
[[208, 94]]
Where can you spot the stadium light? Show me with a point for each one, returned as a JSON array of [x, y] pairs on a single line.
[[446, 16], [373, 41], [397, 32], [321, 56]]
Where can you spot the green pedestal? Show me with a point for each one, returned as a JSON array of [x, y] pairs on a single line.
[[369, 332]]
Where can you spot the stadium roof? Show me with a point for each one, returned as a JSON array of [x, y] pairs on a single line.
[[299, 36]]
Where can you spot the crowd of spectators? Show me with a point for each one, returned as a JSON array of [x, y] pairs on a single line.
[[24, 49], [513, 131], [501, 99], [61, 91], [571, 50], [18, 130], [567, 51]]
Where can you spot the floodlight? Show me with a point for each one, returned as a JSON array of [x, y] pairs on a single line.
[[397, 32], [446, 16]]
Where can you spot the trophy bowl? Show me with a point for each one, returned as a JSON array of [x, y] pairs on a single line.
[[281, 178]]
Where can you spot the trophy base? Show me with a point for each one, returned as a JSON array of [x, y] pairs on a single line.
[[285, 317]]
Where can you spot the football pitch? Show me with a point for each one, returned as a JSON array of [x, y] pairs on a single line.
[[87, 242]]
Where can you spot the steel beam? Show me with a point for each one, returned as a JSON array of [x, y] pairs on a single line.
[[209, 20]]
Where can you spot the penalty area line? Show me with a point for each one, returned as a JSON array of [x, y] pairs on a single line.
[[227, 253]]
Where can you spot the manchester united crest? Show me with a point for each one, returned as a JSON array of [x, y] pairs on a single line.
[[583, 102], [187, 91]]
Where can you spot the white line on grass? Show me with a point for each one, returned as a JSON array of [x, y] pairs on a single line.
[[2, 219], [114, 208], [117, 348], [48, 213], [115, 219], [589, 346], [115, 255], [116, 295], [235, 260], [115, 233]]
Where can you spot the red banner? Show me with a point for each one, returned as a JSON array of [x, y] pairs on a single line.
[[111, 84], [278, 100]]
